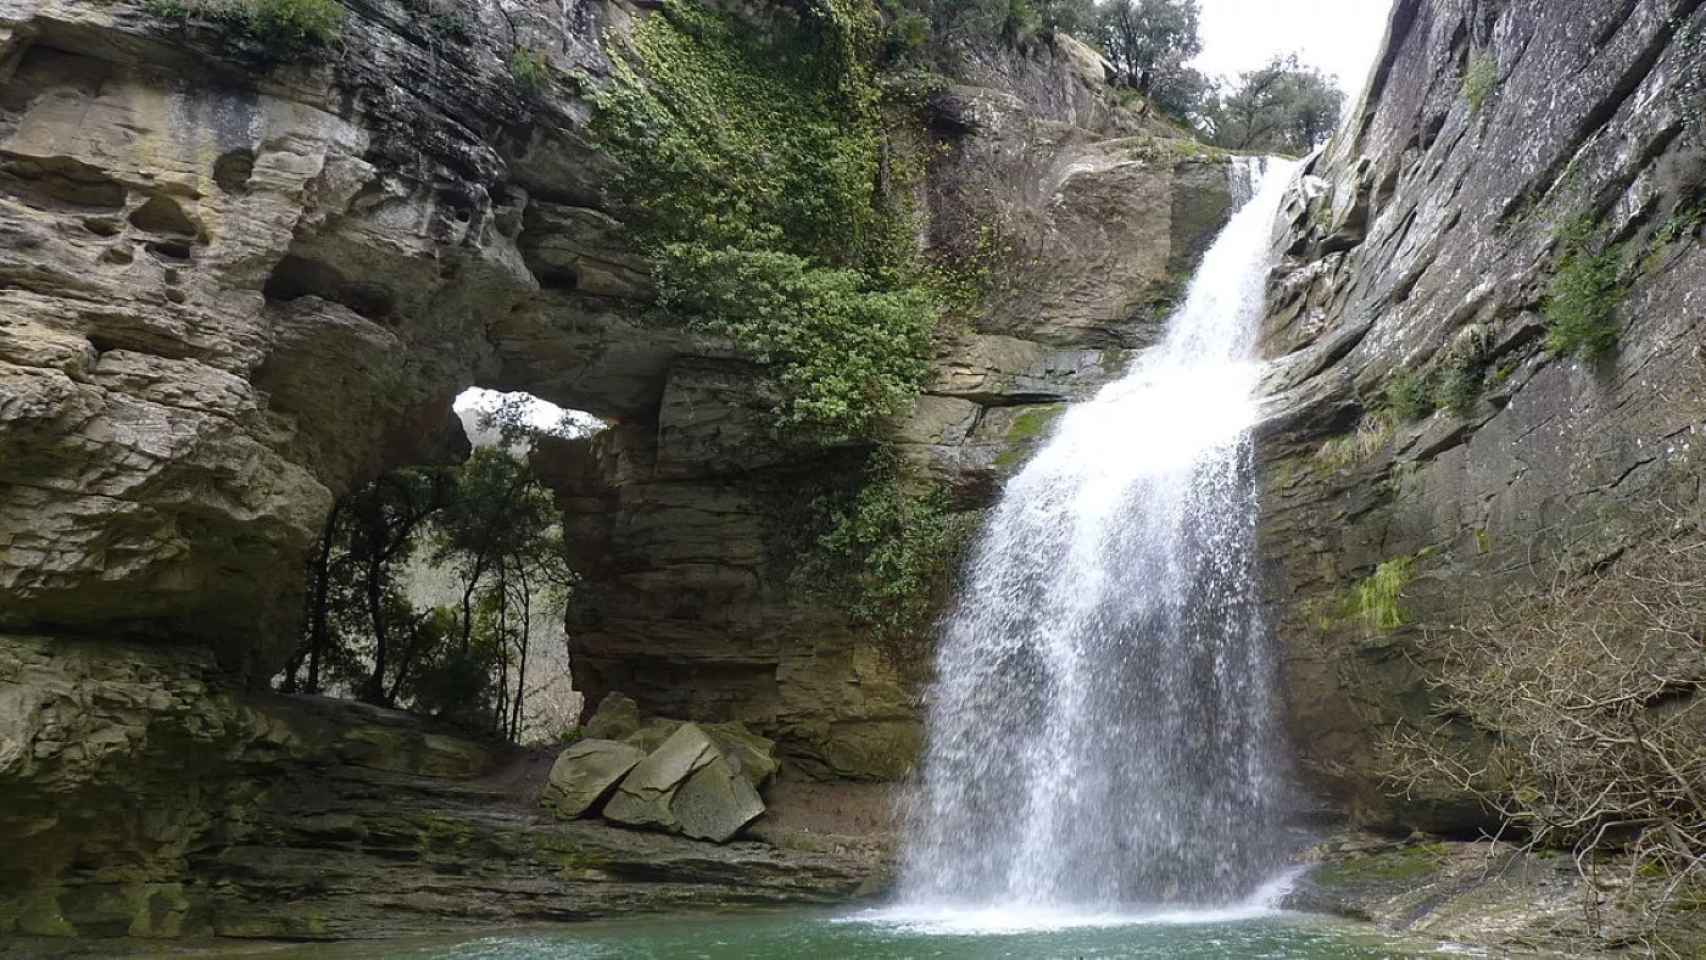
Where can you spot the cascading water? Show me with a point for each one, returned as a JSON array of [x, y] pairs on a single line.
[[1101, 732]]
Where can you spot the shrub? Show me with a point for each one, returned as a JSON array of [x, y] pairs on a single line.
[[1408, 397], [848, 352], [529, 70], [1458, 388], [887, 553], [1581, 304], [1357, 447], [1376, 599], [1480, 80], [276, 29], [1590, 687]]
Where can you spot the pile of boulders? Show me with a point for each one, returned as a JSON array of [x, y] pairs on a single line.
[[698, 780]]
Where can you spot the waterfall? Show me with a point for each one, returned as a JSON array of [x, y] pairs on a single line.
[[1102, 730]]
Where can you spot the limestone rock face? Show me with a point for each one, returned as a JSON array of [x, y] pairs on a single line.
[[143, 797], [231, 291], [682, 525], [1430, 222], [686, 786], [585, 773]]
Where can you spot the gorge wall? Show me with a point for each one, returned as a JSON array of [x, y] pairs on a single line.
[[1425, 247], [233, 289]]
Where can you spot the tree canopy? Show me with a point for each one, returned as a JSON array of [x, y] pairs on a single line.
[[368, 633], [1284, 106]]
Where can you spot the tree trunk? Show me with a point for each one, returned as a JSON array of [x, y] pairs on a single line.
[[521, 668], [322, 587], [376, 613]]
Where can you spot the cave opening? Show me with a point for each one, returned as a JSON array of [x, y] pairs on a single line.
[[444, 590]]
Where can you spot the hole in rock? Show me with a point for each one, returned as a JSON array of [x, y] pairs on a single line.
[[47, 180], [232, 171], [119, 253], [162, 214], [485, 414], [101, 226], [475, 639], [170, 249], [556, 277], [297, 277]]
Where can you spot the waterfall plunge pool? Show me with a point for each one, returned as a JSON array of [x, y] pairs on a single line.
[[882, 934]]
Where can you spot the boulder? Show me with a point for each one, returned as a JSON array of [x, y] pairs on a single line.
[[715, 803], [616, 718], [686, 786], [750, 755], [584, 775], [653, 733]]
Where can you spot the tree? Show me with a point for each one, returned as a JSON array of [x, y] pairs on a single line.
[[1148, 42], [1284, 107], [367, 634], [1075, 17]]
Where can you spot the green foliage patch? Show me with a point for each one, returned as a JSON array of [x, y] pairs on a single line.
[[1373, 603], [1408, 397], [1480, 80], [529, 69], [752, 158], [887, 552], [1581, 304], [277, 30], [1377, 597]]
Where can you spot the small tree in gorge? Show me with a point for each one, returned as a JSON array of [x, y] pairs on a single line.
[[1284, 106], [494, 524], [1148, 42]]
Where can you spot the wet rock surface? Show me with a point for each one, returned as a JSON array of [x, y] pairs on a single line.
[[141, 798], [1427, 235], [237, 290], [1497, 896]]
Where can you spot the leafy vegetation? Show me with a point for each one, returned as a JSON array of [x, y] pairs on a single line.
[[1408, 397], [887, 552], [275, 30], [1149, 43], [1376, 598], [1458, 388], [494, 524], [753, 160], [1480, 80], [1372, 433], [1284, 106], [1581, 304], [529, 69]]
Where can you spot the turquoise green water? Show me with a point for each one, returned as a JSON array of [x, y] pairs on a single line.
[[877, 936]]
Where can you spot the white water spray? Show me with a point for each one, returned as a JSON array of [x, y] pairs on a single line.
[[1102, 734]]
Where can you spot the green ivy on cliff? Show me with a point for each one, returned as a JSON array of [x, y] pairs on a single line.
[[752, 155], [1581, 304], [270, 30], [887, 553]]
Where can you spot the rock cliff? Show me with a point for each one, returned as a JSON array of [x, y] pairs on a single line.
[[145, 799], [1430, 250], [233, 289]]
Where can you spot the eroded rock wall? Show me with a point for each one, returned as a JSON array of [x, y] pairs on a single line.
[[690, 526], [141, 797], [1434, 224], [235, 289]]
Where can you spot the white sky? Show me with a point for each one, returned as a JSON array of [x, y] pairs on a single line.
[[1341, 37]]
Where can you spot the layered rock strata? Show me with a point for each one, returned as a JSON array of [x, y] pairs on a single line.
[[1423, 245]]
